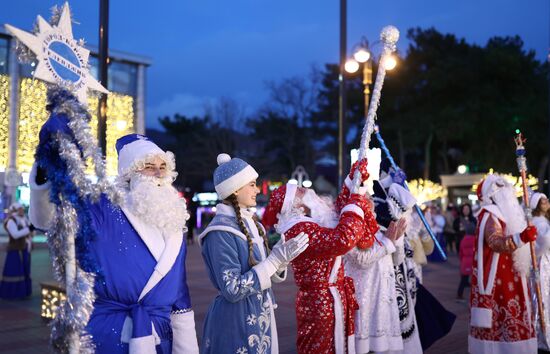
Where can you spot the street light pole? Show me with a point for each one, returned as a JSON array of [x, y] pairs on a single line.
[[367, 80], [103, 73], [342, 90]]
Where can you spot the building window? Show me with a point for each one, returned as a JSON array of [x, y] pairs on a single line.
[[4, 55]]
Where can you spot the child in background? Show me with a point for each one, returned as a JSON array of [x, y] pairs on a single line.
[[466, 257]]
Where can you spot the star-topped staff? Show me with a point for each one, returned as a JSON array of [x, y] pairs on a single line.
[[520, 140], [66, 144], [389, 37], [61, 59]]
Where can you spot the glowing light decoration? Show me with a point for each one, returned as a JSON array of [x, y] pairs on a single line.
[[52, 297], [120, 121], [4, 120], [425, 190], [32, 114], [532, 182], [120, 108]]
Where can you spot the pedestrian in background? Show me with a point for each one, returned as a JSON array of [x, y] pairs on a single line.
[[466, 257], [16, 277], [448, 231], [465, 223]]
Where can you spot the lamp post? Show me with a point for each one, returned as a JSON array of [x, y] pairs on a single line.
[[103, 73], [300, 177], [363, 56], [342, 89]]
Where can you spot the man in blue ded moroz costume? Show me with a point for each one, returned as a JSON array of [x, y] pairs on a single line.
[[142, 300]]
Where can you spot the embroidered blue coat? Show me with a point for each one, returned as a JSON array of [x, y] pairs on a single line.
[[241, 318]]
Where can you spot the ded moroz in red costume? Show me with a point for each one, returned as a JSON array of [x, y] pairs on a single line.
[[325, 303], [501, 320]]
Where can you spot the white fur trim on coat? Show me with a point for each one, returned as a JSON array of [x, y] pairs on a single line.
[[478, 346], [235, 182], [481, 317], [150, 234], [480, 265], [339, 331], [289, 198], [142, 345], [184, 338], [165, 263]]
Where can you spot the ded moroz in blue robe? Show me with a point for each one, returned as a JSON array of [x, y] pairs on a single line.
[[142, 299], [241, 319]]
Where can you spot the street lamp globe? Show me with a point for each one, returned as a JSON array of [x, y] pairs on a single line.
[[389, 62], [307, 183], [351, 66], [292, 181], [362, 55]]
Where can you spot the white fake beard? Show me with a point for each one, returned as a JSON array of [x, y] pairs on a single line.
[[514, 216], [322, 209], [155, 202]]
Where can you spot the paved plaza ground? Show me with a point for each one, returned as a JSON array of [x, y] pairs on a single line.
[[23, 331]]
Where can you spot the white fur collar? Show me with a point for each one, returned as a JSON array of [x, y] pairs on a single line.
[[164, 248], [225, 209], [286, 223], [151, 235]]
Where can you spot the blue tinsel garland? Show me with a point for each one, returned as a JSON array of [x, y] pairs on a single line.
[[62, 186]]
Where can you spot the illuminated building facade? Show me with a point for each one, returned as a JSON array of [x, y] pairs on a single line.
[[23, 111]]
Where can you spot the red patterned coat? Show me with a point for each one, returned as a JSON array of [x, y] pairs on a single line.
[[500, 319], [325, 303]]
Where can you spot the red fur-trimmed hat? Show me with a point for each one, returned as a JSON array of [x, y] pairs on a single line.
[[281, 201], [478, 190], [274, 207]]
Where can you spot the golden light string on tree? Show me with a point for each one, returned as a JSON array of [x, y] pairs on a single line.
[[4, 120]]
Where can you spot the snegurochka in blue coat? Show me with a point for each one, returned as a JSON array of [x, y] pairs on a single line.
[[240, 265], [142, 300]]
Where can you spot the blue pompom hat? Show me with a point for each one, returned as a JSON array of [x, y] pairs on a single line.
[[231, 175]]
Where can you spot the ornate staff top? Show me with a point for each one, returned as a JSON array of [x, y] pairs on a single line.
[[389, 36]]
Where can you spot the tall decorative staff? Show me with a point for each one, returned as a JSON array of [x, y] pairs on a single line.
[[522, 167], [416, 207], [63, 64], [389, 37]]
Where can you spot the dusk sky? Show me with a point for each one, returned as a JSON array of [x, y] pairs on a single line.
[[204, 49]]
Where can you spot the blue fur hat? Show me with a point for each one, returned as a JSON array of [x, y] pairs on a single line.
[[231, 175]]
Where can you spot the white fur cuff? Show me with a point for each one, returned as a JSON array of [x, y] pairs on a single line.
[[388, 245], [481, 317], [348, 182], [264, 270], [354, 209], [41, 210], [279, 276], [517, 240]]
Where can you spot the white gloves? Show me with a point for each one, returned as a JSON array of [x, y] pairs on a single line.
[[284, 252], [281, 254]]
